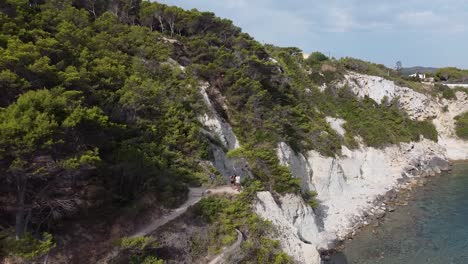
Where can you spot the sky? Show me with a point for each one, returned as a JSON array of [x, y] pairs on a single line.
[[416, 32]]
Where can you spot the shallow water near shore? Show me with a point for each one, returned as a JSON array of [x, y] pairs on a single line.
[[432, 228]]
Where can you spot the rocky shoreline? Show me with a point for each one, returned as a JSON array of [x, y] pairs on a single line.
[[388, 203], [359, 186]]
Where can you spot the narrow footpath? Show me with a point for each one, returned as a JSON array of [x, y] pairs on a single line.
[[229, 250], [194, 196]]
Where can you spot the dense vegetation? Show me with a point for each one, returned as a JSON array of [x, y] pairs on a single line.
[[461, 126], [100, 102], [451, 75], [446, 92], [228, 214], [377, 124]]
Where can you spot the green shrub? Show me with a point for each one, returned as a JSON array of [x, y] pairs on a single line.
[[27, 247], [152, 260], [311, 198], [445, 91], [461, 126], [209, 208], [264, 251], [265, 166], [140, 242], [225, 215]]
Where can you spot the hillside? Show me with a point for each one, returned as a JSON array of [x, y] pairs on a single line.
[[111, 110], [418, 69]]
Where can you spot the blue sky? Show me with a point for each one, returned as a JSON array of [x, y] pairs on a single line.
[[417, 32]]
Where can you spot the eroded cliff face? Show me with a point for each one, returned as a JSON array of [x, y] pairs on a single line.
[[349, 185], [220, 130], [296, 224], [418, 106]]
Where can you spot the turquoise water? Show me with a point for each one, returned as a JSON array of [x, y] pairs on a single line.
[[432, 228]]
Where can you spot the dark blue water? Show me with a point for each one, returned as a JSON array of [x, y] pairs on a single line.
[[432, 228]]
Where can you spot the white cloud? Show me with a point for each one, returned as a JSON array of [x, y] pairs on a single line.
[[232, 4], [422, 25], [419, 18], [430, 21]]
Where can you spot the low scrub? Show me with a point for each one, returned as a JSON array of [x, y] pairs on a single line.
[[461, 126], [225, 215], [28, 247]]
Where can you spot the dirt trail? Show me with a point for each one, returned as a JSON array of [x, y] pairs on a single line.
[[229, 250], [194, 196]]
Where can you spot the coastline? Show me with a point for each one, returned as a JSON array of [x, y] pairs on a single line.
[[400, 196]]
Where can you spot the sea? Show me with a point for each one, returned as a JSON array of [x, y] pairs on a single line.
[[431, 229]]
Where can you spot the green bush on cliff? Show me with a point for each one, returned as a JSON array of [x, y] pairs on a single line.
[[461, 126], [311, 198], [265, 165], [225, 215]]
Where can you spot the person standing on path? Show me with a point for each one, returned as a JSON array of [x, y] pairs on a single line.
[[232, 180], [238, 183]]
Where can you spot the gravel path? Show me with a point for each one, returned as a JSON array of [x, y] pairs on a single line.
[[194, 196], [229, 250]]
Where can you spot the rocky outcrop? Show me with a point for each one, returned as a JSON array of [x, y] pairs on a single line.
[[216, 124], [348, 186], [456, 148], [418, 106], [297, 164], [295, 223], [336, 124], [220, 129]]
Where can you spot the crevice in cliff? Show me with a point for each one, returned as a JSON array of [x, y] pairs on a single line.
[[301, 238]]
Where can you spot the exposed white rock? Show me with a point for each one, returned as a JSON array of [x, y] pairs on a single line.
[[218, 127], [349, 185], [418, 105], [336, 124], [295, 222], [372, 86], [323, 87], [346, 186], [297, 164], [457, 149], [216, 124]]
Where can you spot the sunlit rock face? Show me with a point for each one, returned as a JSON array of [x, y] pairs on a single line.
[[349, 185], [215, 123], [221, 131]]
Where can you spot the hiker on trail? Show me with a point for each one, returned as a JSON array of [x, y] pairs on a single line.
[[238, 183], [232, 179], [212, 178]]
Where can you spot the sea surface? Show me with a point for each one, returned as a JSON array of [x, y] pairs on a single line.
[[431, 229]]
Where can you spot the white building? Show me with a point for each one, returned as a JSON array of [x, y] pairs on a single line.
[[418, 75]]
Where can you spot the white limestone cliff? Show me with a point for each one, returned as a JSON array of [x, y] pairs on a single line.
[[418, 106], [219, 128], [215, 123], [349, 185], [295, 223]]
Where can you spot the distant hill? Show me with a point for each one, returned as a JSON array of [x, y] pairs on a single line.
[[418, 69]]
